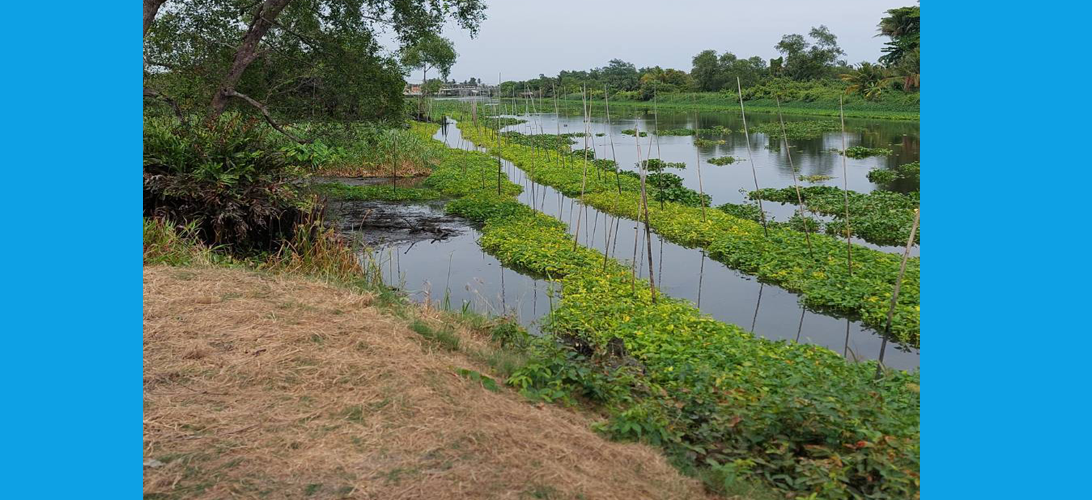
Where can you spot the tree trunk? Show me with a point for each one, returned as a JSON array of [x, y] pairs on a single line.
[[151, 8], [247, 52]]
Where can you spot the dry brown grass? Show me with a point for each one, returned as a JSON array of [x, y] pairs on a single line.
[[281, 387]]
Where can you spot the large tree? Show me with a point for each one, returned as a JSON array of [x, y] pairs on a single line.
[[287, 57], [429, 52], [810, 60]]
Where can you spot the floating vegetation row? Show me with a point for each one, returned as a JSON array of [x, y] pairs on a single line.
[[630, 132], [723, 160], [815, 178], [708, 142], [782, 258], [863, 152], [796, 417], [879, 217], [907, 172], [811, 129]]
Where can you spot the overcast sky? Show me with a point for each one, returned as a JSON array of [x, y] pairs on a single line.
[[521, 39]]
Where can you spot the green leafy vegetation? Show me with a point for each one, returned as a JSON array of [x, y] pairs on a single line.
[[863, 152], [675, 131], [907, 173], [722, 160], [383, 192], [700, 142], [783, 258], [815, 178], [879, 217], [798, 130], [711, 394], [630, 131]]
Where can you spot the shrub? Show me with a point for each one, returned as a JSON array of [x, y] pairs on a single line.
[[224, 178]]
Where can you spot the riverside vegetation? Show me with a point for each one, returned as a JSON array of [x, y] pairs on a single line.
[[742, 413]]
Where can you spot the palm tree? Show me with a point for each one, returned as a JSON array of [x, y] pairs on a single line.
[[907, 72], [867, 79]]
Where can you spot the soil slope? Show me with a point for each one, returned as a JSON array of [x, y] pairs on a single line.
[[281, 387]]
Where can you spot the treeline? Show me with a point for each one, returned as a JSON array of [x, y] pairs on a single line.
[[814, 60]]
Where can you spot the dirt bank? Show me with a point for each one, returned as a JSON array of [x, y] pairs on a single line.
[[275, 387]]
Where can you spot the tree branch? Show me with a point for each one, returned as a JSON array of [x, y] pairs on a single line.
[[151, 8], [153, 93], [265, 112]]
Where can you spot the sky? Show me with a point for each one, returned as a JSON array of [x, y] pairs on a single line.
[[521, 39]]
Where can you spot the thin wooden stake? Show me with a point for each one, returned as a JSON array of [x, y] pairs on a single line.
[[750, 156], [895, 294], [610, 135], [644, 203], [799, 197], [584, 177], [845, 187]]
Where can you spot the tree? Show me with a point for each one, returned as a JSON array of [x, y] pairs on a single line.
[[706, 71], [866, 79], [810, 60], [903, 26], [288, 57], [430, 52], [618, 74]]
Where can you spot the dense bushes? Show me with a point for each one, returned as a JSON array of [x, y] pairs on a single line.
[[225, 178]]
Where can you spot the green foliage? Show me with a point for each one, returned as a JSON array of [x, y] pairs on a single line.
[[442, 337], [224, 177], [811, 129], [722, 160], [173, 245], [880, 217], [783, 258], [700, 142], [748, 211], [384, 192], [674, 131], [908, 173], [796, 417], [815, 178], [863, 152], [630, 131]]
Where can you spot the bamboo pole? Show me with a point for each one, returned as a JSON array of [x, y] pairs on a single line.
[[610, 135], [644, 203], [584, 176], [895, 294], [799, 197], [750, 156], [697, 162], [845, 187]]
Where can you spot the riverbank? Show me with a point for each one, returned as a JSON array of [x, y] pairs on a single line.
[[903, 107], [260, 384]]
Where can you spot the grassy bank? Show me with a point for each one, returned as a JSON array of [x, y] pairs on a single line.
[[746, 415], [821, 103]]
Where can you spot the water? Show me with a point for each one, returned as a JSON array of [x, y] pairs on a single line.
[[729, 183], [457, 266]]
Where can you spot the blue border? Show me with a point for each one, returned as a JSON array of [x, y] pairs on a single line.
[[1004, 370], [72, 324]]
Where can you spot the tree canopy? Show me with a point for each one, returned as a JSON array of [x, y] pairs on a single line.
[[288, 57]]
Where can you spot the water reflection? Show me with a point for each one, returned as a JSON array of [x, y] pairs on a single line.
[[733, 297]]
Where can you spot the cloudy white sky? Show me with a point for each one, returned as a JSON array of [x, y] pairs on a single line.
[[521, 39]]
